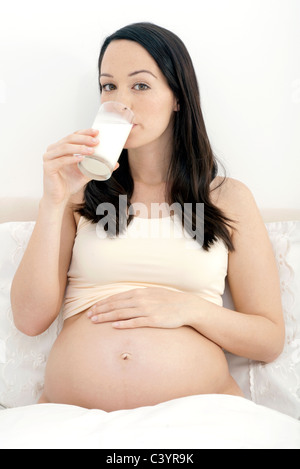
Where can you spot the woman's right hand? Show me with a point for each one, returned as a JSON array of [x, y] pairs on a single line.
[[62, 178]]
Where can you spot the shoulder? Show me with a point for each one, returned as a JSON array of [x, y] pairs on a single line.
[[232, 196], [238, 204], [229, 188]]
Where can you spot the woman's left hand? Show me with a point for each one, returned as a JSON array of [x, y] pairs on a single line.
[[145, 307]]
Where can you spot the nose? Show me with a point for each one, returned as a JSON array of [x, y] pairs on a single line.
[[126, 103], [119, 99], [122, 96]]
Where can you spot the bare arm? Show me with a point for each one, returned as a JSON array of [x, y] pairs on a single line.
[[256, 329], [39, 284]]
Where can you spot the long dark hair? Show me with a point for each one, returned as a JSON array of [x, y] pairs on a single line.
[[193, 165]]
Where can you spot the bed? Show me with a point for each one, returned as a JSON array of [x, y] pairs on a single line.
[[267, 418]]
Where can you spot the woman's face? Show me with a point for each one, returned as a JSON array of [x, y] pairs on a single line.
[[131, 76]]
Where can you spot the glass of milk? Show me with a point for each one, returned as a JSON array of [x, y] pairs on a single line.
[[114, 121]]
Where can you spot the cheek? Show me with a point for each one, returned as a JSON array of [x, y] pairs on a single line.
[[154, 116], [158, 115]]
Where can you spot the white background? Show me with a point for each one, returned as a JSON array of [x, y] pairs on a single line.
[[247, 58]]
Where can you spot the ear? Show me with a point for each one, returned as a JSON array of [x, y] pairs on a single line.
[[176, 106]]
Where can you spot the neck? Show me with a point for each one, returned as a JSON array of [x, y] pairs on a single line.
[[148, 165]]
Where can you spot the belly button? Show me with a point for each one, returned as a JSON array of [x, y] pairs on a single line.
[[126, 356]]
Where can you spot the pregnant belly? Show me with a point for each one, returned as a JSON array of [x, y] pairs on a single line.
[[96, 366]]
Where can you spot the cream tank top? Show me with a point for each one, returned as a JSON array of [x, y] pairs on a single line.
[[153, 252]]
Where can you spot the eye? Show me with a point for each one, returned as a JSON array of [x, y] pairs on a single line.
[[108, 87], [141, 87]]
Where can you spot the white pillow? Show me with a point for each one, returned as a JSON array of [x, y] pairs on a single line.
[[23, 359], [277, 384]]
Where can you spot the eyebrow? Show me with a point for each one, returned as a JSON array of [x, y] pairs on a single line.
[[130, 74]]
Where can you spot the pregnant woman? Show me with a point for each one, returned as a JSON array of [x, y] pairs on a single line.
[[142, 307]]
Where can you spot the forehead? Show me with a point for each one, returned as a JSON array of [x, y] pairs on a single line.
[[127, 56]]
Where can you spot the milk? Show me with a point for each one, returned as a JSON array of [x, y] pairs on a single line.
[[114, 130], [112, 138]]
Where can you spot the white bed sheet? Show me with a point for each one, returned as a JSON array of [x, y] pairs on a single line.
[[196, 422]]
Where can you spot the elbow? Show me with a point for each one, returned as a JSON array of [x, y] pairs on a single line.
[[28, 319], [276, 346], [29, 324], [26, 328], [22, 319], [23, 322], [273, 354], [29, 330]]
